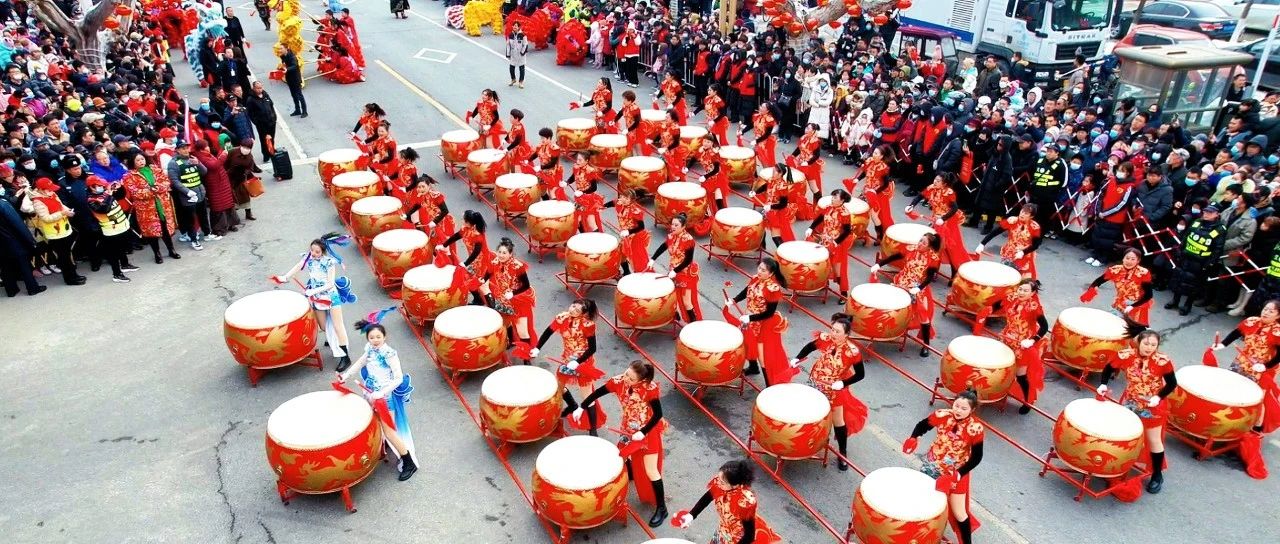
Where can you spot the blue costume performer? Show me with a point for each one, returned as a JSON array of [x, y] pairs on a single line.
[[387, 387]]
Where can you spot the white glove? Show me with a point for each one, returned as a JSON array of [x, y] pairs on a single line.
[[808, 233], [431, 225], [794, 362], [508, 295], [671, 274], [1259, 367], [684, 521], [1102, 389], [728, 302], [192, 197], [1153, 401], [1026, 343], [978, 248], [938, 221], [875, 268], [1128, 308], [577, 194], [1013, 220], [637, 436], [909, 209], [571, 364], [484, 128], [1020, 254], [577, 414], [1215, 347], [534, 352], [662, 151], [751, 194], [375, 395], [702, 179], [914, 291], [563, 184], [744, 318], [684, 170]]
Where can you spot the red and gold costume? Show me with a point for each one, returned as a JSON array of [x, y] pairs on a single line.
[[776, 196], [767, 332], [479, 257], [551, 180], [505, 277], [1144, 378], [547, 152], [635, 238], [714, 177], [942, 202], [734, 505], [878, 191], [1022, 236], [673, 93], [953, 445], [717, 121], [1024, 320], [629, 118], [762, 125], [607, 121], [676, 158], [585, 180], [806, 158], [1133, 288], [1261, 341], [517, 144], [486, 113], [406, 172], [919, 262], [835, 363], [602, 99], [369, 124], [432, 211], [831, 229], [575, 332], [382, 156], [680, 250]]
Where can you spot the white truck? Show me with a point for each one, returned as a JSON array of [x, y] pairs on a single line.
[[1048, 33]]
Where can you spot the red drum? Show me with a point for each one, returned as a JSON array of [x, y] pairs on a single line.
[[574, 134], [644, 173], [374, 215], [896, 505], [680, 197], [428, 290], [485, 166], [398, 250], [551, 222], [592, 256], [645, 300], [608, 150], [879, 311], [520, 404], [579, 482], [469, 338], [455, 145], [791, 421], [859, 215], [650, 120], [334, 162], [1214, 403], [766, 173], [270, 329], [349, 187], [1087, 338], [323, 442], [691, 138], [710, 352], [739, 163], [805, 265], [899, 236], [515, 192], [985, 364], [980, 284], [737, 230], [1098, 437]]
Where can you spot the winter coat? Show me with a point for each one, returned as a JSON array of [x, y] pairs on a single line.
[[216, 181], [1241, 227], [517, 48], [996, 180], [151, 202], [1156, 202], [238, 168]]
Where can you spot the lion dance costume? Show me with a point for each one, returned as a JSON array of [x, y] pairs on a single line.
[[478, 13]]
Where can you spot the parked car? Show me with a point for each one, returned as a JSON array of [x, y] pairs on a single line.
[[1145, 34], [1204, 17], [1261, 15], [1271, 74]]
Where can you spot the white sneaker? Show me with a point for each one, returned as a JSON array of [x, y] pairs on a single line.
[[1096, 263], [1089, 260], [184, 238], [195, 244], [213, 237]]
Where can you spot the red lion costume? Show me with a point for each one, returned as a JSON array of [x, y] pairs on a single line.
[[571, 43], [537, 27]]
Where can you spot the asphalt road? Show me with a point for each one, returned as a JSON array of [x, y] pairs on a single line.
[[131, 423]]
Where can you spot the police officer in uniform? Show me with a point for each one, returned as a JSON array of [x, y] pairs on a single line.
[[1201, 247], [1269, 288], [75, 193], [1047, 180], [187, 177]]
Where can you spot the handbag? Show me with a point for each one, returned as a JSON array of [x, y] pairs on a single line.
[[254, 187]]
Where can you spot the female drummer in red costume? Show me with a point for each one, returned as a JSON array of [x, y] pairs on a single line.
[[839, 365], [478, 254], [1024, 238], [1259, 357], [405, 174], [427, 202], [577, 328], [947, 218], [381, 150], [763, 124], [1149, 378], [919, 265], [486, 113], [1024, 327], [714, 179], [736, 505], [682, 268], [762, 324], [878, 189], [1133, 287], [585, 179], [601, 96], [517, 145], [642, 418], [369, 120], [507, 289], [550, 172], [635, 238], [673, 94], [955, 452], [774, 196], [675, 155], [832, 228], [629, 120], [807, 158], [717, 114]]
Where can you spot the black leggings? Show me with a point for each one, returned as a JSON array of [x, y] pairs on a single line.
[[167, 237], [630, 66], [114, 250], [512, 69]]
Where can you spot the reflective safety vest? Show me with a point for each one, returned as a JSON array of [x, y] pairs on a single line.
[[114, 221], [1198, 243], [1043, 176], [189, 173], [58, 228], [1273, 269]]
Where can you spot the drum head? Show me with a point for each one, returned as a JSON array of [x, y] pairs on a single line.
[[592, 243], [340, 155], [609, 140], [646, 285], [468, 322], [990, 273], [429, 278], [739, 217], [519, 386], [579, 463], [857, 206], [576, 123], [793, 403], [653, 115], [486, 156], [460, 136], [903, 494], [691, 132], [667, 541], [881, 296], [1093, 323], [767, 173], [376, 205], [803, 252], [733, 152], [981, 352], [681, 190], [358, 178], [319, 420], [400, 240], [643, 164], [907, 233], [551, 209], [266, 310], [1103, 419], [1219, 385], [711, 336], [517, 180]]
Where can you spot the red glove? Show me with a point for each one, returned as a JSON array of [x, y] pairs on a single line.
[[468, 118], [909, 445], [1089, 294], [980, 320], [655, 105], [574, 105]]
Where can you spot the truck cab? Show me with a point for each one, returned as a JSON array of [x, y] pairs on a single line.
[[1048, 33]]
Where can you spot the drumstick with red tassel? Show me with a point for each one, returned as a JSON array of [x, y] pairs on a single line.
[[729, 304], [1209, 359]]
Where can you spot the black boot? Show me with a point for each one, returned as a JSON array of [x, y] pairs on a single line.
[[569, 404], [659, 497], [626, 269], [407, 467], [925, 332], [476, 299], [753, 368], [1177, 301], [592, 420], [842, 442], [965, 530], [1186, 307], [777, 242], [1157, 473], [344, 362], [692, 316], [1025, 384], [879, 233]]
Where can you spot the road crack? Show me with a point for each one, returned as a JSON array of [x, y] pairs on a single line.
[[227, 295], [222, 482]]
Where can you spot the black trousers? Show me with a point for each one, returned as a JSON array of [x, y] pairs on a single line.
[[630, 67], [746, 106], [295, 92], [166, 236], [266, 19], [86, 248], [15, 268], [115, 250], [512, 69], [61, 250], [265, 130], [189, 217]]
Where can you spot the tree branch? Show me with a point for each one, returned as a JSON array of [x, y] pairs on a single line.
[[49, 14], [98, 14]]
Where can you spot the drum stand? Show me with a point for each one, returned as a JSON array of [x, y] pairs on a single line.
[[505, 448], [580, 288], [901, 341], [632, 333], [700, 389], [287, 495], [312, 360], [728, 256], [1083, 481], [939, 392], [390, 285], [1205, 448], [1079, 376], [542, 250], [451, 168], [823, 456], [795, 296], [566, 533]]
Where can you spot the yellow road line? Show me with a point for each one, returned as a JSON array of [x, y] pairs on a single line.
[[418, 91]]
